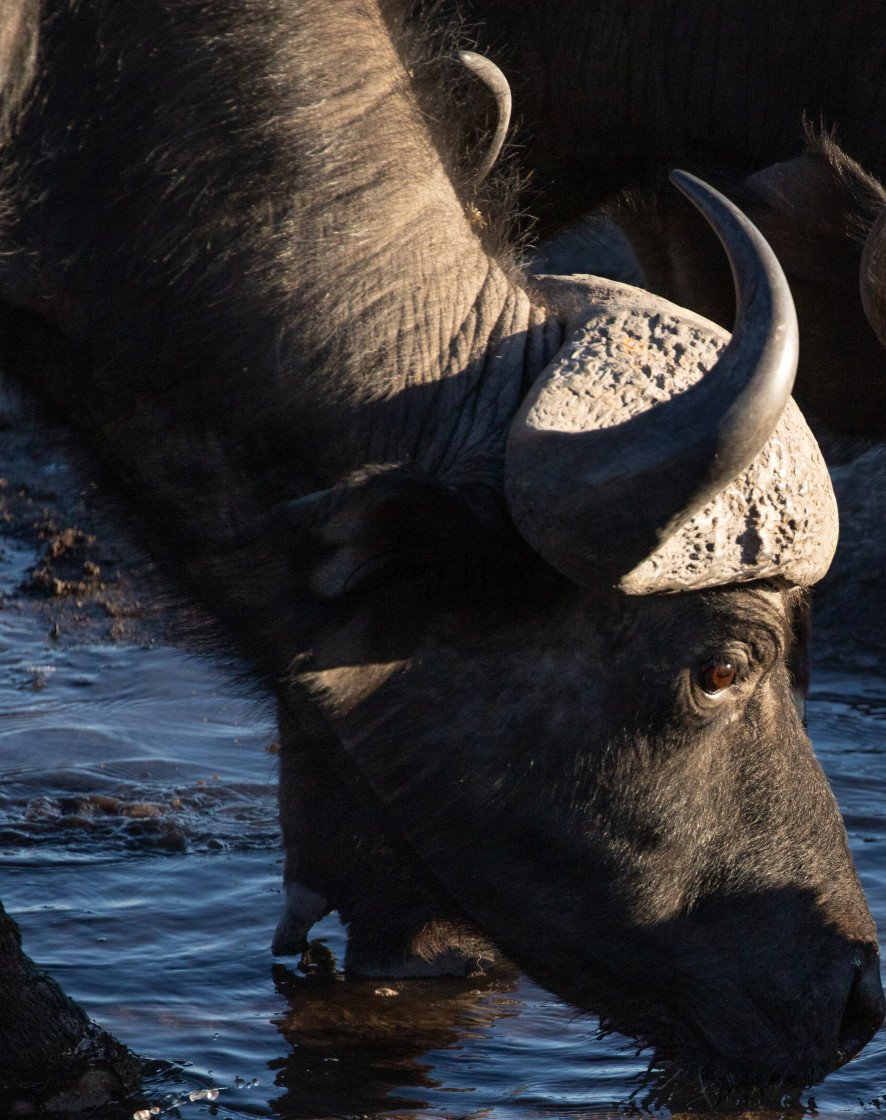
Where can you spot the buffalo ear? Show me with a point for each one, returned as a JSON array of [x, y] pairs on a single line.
[[386, 528]]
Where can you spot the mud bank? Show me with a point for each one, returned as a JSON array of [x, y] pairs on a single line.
[[88, 582]]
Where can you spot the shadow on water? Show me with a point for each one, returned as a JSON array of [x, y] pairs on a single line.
[[139, 851]]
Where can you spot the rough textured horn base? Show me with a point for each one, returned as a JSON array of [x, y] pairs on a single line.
[[778, 519]]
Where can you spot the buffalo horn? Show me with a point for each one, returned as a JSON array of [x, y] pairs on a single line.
[[873, 278], [490, 74], [645, 416]]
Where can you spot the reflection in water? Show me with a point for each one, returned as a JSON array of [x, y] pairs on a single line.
[[139, 850], [358, 1047]]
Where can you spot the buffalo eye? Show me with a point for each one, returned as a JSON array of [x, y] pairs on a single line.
[[717, 677]]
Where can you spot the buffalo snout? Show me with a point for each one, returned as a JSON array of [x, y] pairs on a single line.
[[865, 1004]]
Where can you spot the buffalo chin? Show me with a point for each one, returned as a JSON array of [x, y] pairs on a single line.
[[685, 1075], [667, 1084]]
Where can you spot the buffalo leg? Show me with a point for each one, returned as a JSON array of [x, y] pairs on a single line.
[[342, 854]]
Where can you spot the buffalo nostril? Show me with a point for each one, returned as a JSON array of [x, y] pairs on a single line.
[[866, 1004]]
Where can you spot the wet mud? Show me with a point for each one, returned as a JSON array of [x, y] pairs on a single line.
[[87, 580]]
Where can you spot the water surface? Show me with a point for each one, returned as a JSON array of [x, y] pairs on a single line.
[[139, 852]]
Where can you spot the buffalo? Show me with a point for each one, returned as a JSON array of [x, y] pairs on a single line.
[[519, 561], [753, 96], [615, 94], [822, 214]]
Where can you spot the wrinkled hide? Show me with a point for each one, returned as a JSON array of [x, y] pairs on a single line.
[[232, 259]]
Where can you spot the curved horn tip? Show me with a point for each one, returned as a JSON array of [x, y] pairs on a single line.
[[492, 77], [683, 452], [736, 232], [750, 254], [765, 331]]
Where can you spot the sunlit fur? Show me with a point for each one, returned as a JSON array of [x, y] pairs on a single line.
[[232, 257]]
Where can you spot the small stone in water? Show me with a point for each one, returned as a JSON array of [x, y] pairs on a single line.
[[386, 992], [203, 1095], [138, 810], [104, 803]]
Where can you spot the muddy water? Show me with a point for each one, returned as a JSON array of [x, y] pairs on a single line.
[[139, 853]]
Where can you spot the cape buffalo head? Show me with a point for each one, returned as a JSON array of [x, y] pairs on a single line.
[[531, 661], [574, 705]]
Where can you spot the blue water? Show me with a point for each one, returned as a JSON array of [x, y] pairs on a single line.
[[139, 852]]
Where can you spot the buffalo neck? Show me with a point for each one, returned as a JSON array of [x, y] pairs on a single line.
[[240, 224], [251, 231]]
